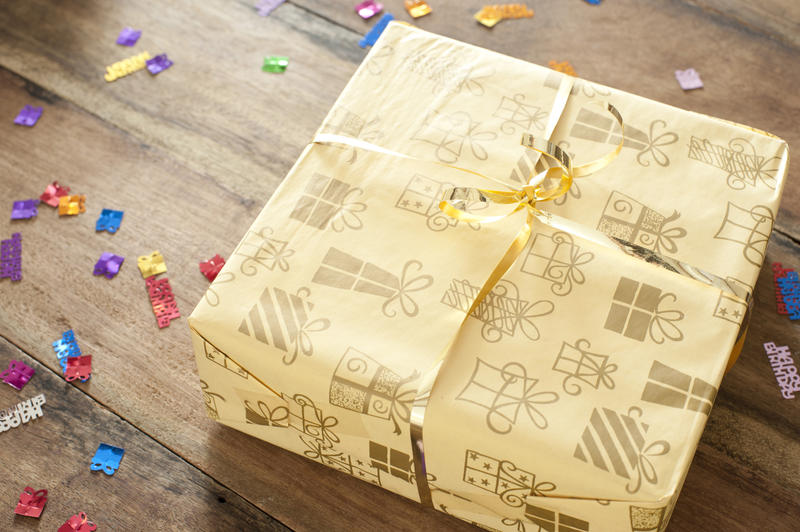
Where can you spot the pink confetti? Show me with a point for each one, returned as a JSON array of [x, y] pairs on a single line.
[[17, 375], [52, 194], [368, 9], [688, 79]]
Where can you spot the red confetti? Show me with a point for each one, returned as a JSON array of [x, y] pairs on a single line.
[[52, 193], [777, 272], [79, 368], [211, 267], [78, 523], [163, 301], [31, 503]]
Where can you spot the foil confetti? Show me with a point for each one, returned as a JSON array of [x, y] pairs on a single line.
[[128, 36], [109, 220], [71, 205], [11, 257], [368, 9], [417, 8], [688, 79], [24, 209], [371, 37], [126, 66], [52, 193], [789, 284], [158, 64], [17, 375], [28, 116], [162, 300], [107, 458], [784, 368], [66, 347], [22, 412], [563, 67], [79, 368], [31, 503], [78, 523], [152, 264], [108, 264], [211, 267], [275, 63], [265, 7], [490, 15]]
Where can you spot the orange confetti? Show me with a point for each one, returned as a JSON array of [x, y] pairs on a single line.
[[417, 8], [563, 66]]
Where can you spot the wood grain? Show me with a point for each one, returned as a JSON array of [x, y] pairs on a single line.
[[152, 490], [191, 156]]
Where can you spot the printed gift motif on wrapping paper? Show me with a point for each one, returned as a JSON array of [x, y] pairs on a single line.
[[557, 259], [344, 122], [422, 196], [552, 521], [218, 357], [361, 384], [745, 168], [449, 132], [261, 249], [597, 127], [346, 272], [396, 463], [732, 308], [210, 400], [283, 320], [327, 201], [519, 116], [590, 90], [669, 387], [502, 311], [618, 441], [503, 392], [647, 519], [637, 312], [503, 478], [447, 72], [579, 364], [750, 228], [627, 219]]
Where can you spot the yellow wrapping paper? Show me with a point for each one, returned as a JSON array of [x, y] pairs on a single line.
[[575, 394]]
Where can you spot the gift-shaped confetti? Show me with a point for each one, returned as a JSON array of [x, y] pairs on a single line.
[[53, 193], [593, 2], [211, 267], [128, 36], [28, 116], [368, 9], [562, 66], [66, 347], [108, 265], [78, 523], [24, 209], [22, 412], [126, 66], [158, 63], [109, 220], [79, 368], [417, 8], [371, 37], [31, 503], [71, 205], [490, 15], [688, 79], [17, 375], [11, 257], [265, 7], [275, 63], [162, 300], [107, 459], [151, 264]]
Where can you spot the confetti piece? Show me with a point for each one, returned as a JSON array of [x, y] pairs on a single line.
[[151, 264], [126, 66], [24, 209], [417, 8], [108, 264], [128, 36], [22, 412], [275, 63], [17, 375], [78, 368], [368, 9], [162, 300], [265, 7], [109, 221], [211, 267], [490, 15], [158, 63], [65, 348], [31, 503], [107, 459], [372, 35], [778, 271], [28, 116], [593, 2], [78, 523], [784, 369], [563, 67], [52, 194], [11, 257], [71, 205], [688, 79], [790, 291]]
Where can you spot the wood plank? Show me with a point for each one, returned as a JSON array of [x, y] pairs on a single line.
[[154, 489], [146, 375]]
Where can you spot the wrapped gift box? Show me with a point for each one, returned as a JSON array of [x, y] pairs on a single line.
[[575, 393]]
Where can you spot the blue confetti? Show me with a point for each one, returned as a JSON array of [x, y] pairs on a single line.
[[372, 35], [107, 459], [109, 221]]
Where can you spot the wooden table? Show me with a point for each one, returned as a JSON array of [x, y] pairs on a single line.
[[192, 154]]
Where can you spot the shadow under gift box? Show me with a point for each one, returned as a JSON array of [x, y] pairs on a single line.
[[575, 393]]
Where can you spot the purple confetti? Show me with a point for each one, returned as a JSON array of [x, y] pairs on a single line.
[[265, 7], [158, 63], [128, 36], [688, 79], [24, 209], [17, 375], [11, 257], [28, 116], [108, 265]]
